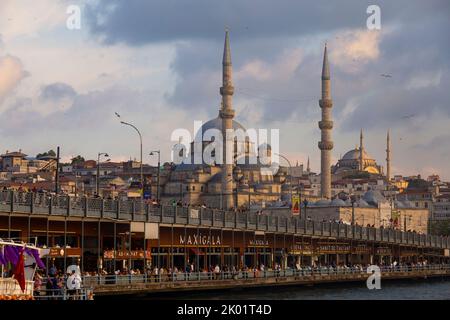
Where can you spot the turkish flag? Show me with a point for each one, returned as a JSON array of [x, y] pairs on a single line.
[[19, 273]]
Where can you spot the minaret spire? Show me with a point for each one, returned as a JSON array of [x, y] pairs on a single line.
[[226, 113], [326, 144], [308, 169], [388, 157], [361, 151]]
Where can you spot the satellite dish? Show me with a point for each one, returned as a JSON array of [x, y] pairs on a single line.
[[75, 268]]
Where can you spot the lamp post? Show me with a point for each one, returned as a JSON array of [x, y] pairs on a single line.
[[97, 184], [159, 168], [305, 202], [140, 140]]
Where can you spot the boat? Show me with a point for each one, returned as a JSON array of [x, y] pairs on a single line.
[[17, 273]]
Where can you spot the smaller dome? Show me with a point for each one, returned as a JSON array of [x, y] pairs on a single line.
[[362, 203], [323, 203], [374, 197], [354, 155], [338, 203]]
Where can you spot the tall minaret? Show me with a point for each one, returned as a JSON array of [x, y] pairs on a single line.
[[308, 169], [388, 158], [227, 114], [361, 152], [325, 145]]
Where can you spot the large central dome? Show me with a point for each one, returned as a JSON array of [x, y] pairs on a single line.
[[354, 155], [216, 123]]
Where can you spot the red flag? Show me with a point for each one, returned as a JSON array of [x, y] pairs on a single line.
[[19, 273]]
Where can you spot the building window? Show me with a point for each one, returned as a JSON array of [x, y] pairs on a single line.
[[193, 188], [201, 188]]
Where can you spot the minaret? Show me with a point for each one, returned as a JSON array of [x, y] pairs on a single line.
[[326, 144], [227, 114], [307, 167], [361, 152], [388, 158]]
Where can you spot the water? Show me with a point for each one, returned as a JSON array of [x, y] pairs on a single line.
[[430, 289]]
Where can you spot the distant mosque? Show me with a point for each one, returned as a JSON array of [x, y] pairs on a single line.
[[358, 160]]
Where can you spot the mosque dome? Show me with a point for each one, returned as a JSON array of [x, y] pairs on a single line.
[[216, 123], [362, 203], [354, 155], [323, 203], [374, 197], [338, 203]]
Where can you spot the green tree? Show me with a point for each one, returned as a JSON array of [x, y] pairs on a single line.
[[77, 160], [441, 228], [50, 153]]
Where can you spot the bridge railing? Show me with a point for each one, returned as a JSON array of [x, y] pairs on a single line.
[[137, 210], [304, 272]]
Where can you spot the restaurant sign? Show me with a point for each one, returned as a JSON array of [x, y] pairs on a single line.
[[258, 243], [200, 240], [68, 252], [125, 254]]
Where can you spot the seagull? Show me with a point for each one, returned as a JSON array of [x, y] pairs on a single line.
[[386, 75], [118, 115], [408, 116]]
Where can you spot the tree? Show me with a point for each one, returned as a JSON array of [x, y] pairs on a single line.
[[77, 160], [440, 228], [50, 153]]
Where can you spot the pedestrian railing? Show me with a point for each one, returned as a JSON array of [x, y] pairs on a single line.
[[302, 273], [64, 294], [137, 210]]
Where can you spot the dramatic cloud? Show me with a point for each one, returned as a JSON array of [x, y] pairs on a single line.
[[11, 73], [159, 63]]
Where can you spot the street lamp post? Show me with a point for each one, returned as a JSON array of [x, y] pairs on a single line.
[[305, 202], [97, 184], [140, 139], [159, 169]]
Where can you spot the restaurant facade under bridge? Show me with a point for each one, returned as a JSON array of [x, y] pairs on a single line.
[[97, 238]]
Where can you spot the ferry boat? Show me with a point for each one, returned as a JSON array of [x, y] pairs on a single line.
[[11, 265]]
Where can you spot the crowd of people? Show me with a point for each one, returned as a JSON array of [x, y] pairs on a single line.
[[57, 284], [217, 272]]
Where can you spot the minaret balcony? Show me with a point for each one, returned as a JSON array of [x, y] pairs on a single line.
[[325, 103], [226, 113], [227, 90], [326, 145], [324, 124]]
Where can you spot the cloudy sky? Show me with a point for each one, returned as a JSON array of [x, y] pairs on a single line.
[[158, 64]]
